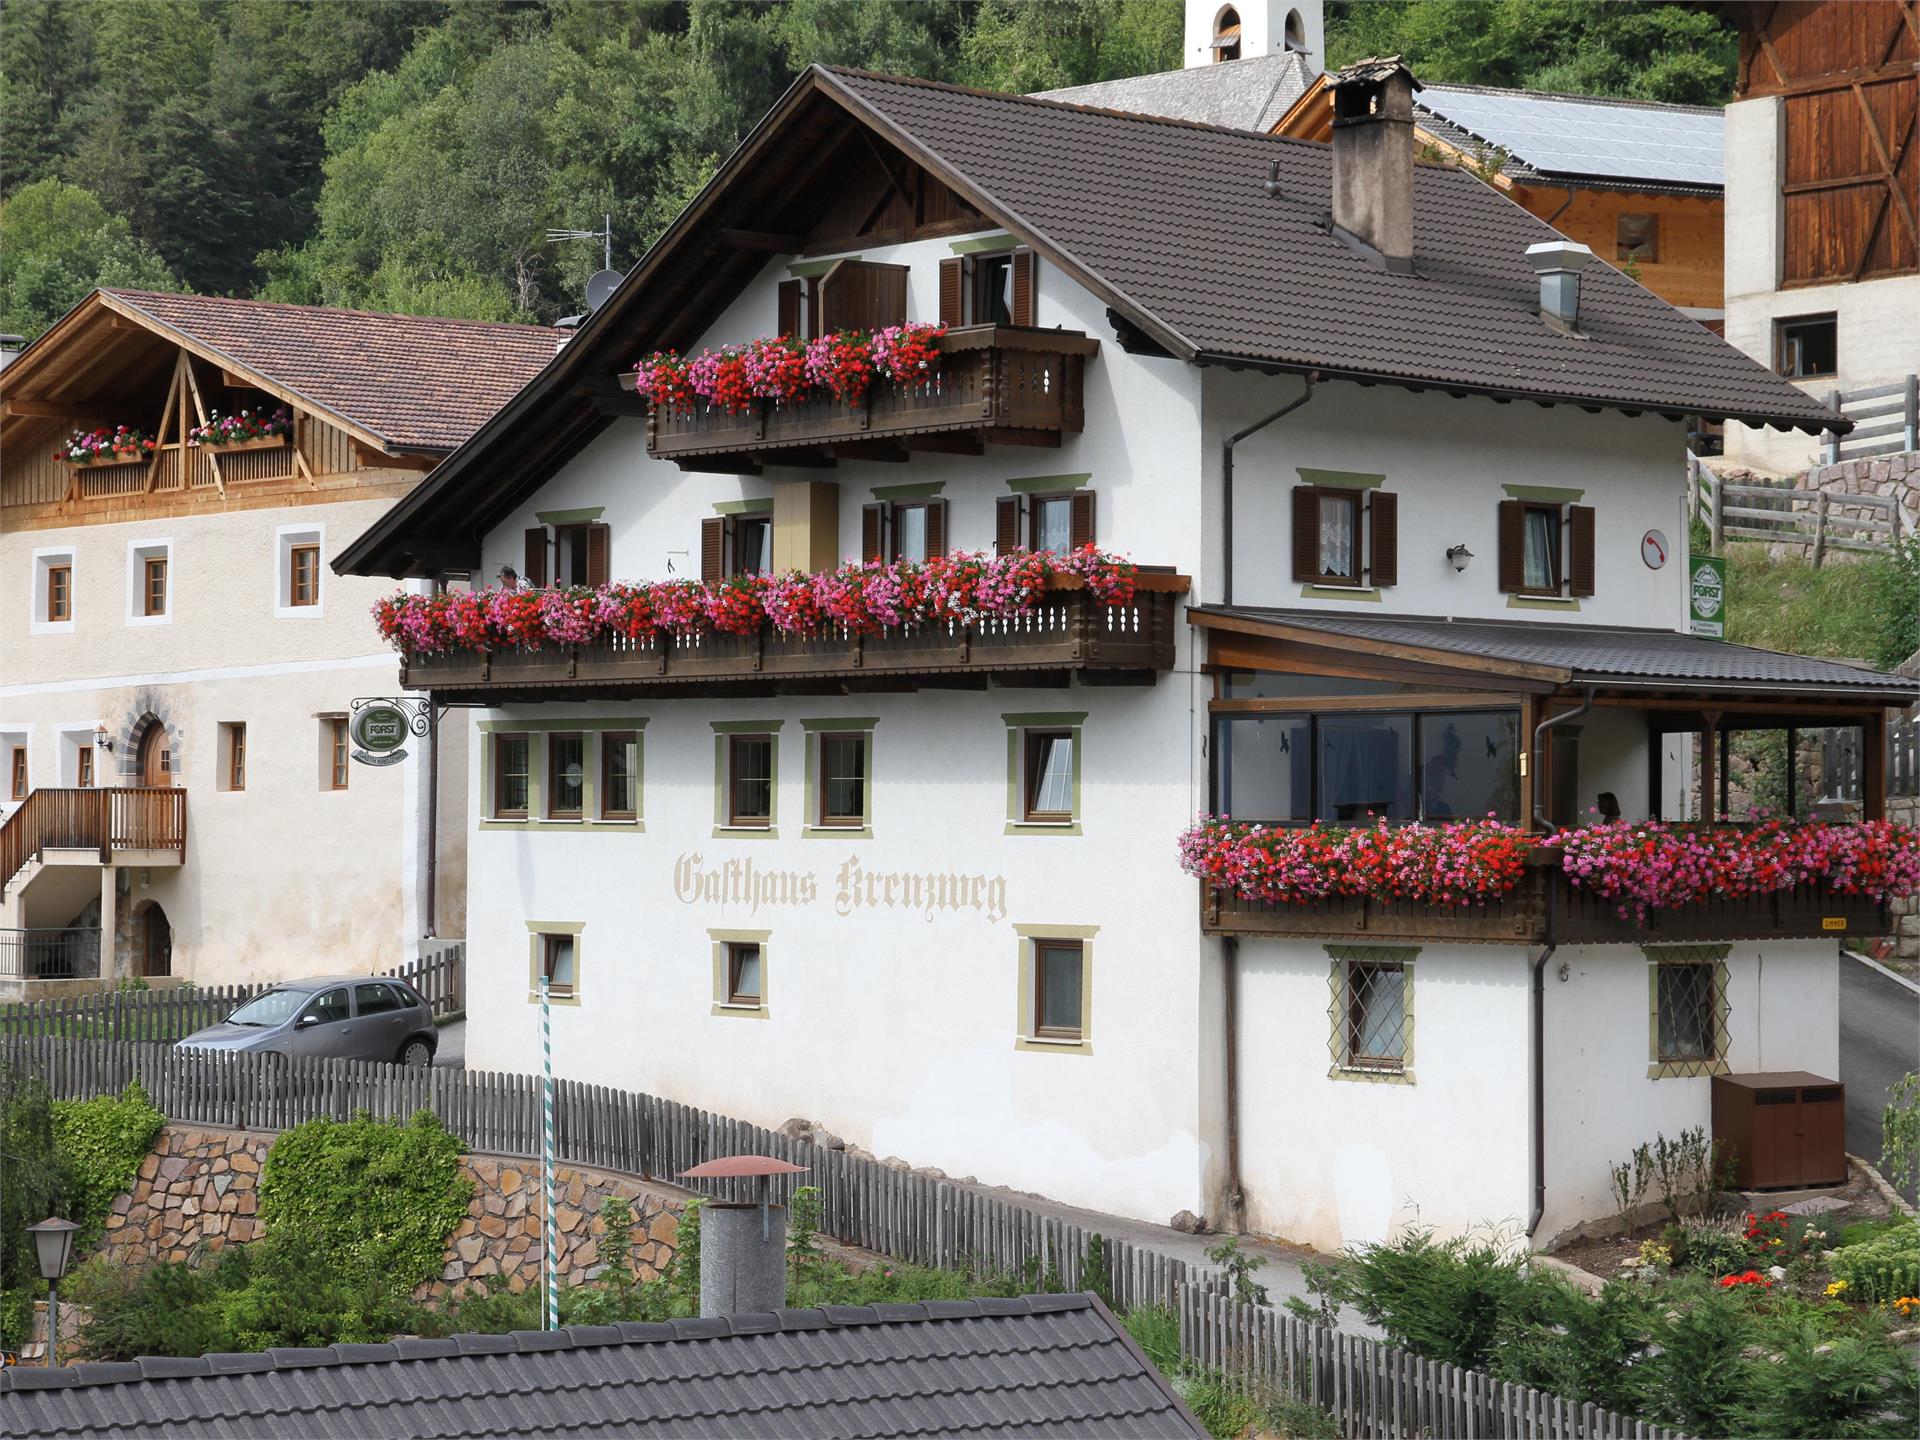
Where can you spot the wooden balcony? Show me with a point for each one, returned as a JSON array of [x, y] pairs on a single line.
[[111, 822], [1068, 632], [1544, 907], [997, 384]]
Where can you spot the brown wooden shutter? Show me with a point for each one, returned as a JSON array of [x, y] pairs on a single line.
[[1306, 533], [1383, 520], [1023, 268], [1513, 547], [936, 529], [860, 295], [598, 537], [790, 292], [953, 276], [873, 532], [1006, 524], [1580, 573], [713, 549], [813, 307], [535, 573], [1080, 525]]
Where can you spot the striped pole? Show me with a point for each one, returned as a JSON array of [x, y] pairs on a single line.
[[546, 1157]]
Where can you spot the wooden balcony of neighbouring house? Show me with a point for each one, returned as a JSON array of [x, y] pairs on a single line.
[[1545, 909], [1069, 632], [91, 827], [996, 385]]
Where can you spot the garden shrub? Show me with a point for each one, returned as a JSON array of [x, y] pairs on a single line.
[[1156, 1330], [1714, 1249], [103, 1142], [1842, 1385], [1900, 1131], [1884, 1268], [373, 1197], [38, 1184], [1446, 1299], [1699, 1380], [1555, 1338]]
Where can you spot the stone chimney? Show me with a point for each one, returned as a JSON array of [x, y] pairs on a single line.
[[1373, 160]]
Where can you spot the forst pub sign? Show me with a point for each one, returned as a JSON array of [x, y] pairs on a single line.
[[379, 729], [1707, 597]]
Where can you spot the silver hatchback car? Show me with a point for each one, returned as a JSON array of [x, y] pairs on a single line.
[[342, 1017]]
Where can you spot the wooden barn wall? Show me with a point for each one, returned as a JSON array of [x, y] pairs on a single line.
[[28, 471], [1690, 271], [329, 449], [1791, 44], [1850, 230]]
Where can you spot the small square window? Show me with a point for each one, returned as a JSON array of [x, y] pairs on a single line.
[[1688, 1023], [620, 775], [1052, 523], [303, 569], [843, 779], [1048, 776], [1373, 1016], [1058, 975], [1807, 346], [566, 776], [153, 593], [743, 973], [750, 781], [53, 598], [59, 593], [1637, 238], [510, 776], [557, 963]]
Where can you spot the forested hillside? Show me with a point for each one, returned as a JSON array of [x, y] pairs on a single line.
[[411, 154]]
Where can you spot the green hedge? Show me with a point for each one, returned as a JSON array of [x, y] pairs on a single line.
[[103, 1143]]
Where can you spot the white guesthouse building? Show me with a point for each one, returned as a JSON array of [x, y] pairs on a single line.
[[923, 887], [178, 662]]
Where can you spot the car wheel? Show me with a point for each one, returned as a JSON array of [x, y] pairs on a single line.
[[416, 1054]]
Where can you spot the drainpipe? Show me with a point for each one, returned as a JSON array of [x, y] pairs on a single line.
[[1236, 1197], [1538, 1079], [1539, 746], [433, 812], [1563, 206], [1226, 479]]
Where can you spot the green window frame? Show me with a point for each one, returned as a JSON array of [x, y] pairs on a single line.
[[1030, 738], [827, 738], [1687, 1010], [550, 942], [727, 754], [730, 951], [1370, 1012], [539, 739], [1041, 948]]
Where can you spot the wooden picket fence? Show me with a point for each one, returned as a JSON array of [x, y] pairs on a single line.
[[177, 1011], [1374, 1389], [1822, 520]]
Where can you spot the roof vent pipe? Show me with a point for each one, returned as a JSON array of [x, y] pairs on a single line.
[[1373, 160], [1558, 263], [743, 1244]]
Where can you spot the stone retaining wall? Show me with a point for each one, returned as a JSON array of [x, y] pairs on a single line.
[[197, 1192]]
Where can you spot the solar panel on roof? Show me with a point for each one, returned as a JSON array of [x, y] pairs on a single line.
[[1589, 137]]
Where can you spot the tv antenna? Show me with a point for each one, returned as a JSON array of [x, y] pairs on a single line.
[[604, 235]]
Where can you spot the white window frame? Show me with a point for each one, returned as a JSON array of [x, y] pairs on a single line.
[[138, 553], [69, 739], [44, 559], [284, 539], [11, 736]]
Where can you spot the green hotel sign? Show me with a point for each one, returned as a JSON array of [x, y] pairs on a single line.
[[378, 731], [1707, 597]]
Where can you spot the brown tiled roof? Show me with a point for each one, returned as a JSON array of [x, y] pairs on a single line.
[[419, 382], [1172, 220]]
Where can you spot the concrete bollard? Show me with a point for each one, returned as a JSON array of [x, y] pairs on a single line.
[[743, 1267]]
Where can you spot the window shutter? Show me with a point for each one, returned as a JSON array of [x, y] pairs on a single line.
[[597, 544], [789, 310], [953, 275], [1513, 547], [936, 529], [1580, 574], [1023, 267], [813, 308], [1080, 526], [535, 572], [713, 549], [1306, 533], [1383, 519], [873, 532], [860, 295], [1006, 524]]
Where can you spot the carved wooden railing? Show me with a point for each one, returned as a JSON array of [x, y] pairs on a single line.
[[1003, 382], [103, 819], [1544, 907]]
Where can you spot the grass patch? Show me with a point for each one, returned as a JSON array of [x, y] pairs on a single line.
[[1861, 1232], [1788, 605]]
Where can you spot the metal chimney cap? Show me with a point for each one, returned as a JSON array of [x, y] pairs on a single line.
[[1551, 255], [731, 1166]]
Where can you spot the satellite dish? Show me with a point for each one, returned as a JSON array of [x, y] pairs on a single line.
[[601, 287]]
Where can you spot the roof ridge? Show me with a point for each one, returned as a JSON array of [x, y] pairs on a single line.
[[530, 1342], [1625, 101], [1139, 116], [516, 326]]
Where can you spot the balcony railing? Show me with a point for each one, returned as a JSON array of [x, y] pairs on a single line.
[[1068, 629], [998, 382], [1522, 916], [105, 820], [69, 954]]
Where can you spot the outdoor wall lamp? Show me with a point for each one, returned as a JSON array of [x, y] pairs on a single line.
[[53, 1240], [102, 740], [1458, 556]]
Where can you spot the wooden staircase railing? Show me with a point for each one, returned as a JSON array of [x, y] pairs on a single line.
[[105, 819]]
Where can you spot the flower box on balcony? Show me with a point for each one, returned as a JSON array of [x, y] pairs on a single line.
[[260, 442], [109, 463]]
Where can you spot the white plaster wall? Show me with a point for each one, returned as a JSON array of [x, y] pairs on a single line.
[[1332, 1162], [1263, 28], [1447, 460], [926, 1005], [1783, 1008], [1613, 756]]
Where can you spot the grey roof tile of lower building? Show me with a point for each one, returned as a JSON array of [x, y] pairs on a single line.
[[1597, 654], [1040, 1365], [1248, 94]]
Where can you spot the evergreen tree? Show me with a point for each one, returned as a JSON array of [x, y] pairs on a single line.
[[59, 243]]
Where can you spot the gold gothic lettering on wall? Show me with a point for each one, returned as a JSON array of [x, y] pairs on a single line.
[[742, 882]]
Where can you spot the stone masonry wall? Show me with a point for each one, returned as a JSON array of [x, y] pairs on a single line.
[[197, 1192], [1891, 477]]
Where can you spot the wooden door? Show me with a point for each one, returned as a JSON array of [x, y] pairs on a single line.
[[156, 936], [156, 757]]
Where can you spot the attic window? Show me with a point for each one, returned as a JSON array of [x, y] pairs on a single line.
[[1637, 238], [1226, 35]]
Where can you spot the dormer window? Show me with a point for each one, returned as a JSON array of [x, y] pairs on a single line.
[[1226, 35]]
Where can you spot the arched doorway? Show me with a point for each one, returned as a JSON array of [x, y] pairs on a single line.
[[153, 934], [156, 756]]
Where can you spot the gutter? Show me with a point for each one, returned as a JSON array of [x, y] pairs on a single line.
[[1226, 481], [1236, 1194]]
